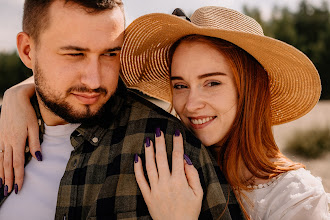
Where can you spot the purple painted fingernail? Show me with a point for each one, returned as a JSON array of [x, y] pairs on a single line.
[[147, 142], [177, 133], [136, 158], [158, 132], [16, 188], [38, 156], [5, 192], [0, 182], [187, 159]]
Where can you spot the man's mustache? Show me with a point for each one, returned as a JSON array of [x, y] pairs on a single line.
[[84, 89]]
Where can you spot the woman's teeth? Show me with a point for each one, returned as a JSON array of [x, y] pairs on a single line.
[[201, 121]]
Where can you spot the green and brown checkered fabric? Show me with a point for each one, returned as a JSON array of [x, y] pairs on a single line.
[[99, 181]]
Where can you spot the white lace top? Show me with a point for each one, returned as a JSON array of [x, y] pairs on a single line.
[[293, 195]]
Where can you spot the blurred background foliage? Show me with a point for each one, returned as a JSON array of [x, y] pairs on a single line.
[[311, 143], [307, 29], [12, 70]]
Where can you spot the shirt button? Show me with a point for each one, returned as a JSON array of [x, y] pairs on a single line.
[[95, 140]]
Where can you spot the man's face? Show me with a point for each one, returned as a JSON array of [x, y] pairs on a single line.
[[76, 62]]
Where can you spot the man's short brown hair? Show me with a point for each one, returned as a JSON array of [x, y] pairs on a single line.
[[36, 19]]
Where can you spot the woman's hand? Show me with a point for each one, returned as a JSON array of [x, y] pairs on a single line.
[[176, 195], [17, 123]]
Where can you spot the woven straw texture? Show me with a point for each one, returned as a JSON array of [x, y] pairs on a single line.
[[294, 81]]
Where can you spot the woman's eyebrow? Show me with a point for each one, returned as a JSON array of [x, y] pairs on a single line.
[[211, 74], [200, 76], [176, 78]]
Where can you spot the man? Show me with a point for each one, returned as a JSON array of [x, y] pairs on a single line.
[[90, 131]]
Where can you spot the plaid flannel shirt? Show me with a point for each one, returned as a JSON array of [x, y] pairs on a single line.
[[99, 180]]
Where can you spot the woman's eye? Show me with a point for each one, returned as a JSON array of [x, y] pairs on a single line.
[[179, 86], [210, 84]]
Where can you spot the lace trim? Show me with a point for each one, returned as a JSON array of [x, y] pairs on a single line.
[[261, 186]]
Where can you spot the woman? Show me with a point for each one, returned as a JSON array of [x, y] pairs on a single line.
[[229, 84]]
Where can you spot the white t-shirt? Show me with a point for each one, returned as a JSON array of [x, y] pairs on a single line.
[[295, 195], [38, 196]]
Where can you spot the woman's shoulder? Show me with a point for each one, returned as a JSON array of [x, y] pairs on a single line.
[[295, 184], [300, 178], [296, 193]]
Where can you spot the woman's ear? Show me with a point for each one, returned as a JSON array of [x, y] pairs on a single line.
[[24, 47]]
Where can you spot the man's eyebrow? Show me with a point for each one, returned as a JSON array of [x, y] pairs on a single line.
[[201, 76], [76, 48], [113, 49]]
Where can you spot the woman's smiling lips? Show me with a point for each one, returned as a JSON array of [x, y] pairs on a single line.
[[200, 122], [87, 98]]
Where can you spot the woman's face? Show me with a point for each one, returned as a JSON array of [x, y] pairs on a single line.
[[204, 90]]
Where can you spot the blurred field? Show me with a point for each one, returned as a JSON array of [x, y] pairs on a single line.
[[318, 117]]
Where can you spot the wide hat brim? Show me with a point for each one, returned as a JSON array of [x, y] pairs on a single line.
[[294, 81]]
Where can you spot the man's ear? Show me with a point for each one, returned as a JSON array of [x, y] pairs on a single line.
[[24, 46]]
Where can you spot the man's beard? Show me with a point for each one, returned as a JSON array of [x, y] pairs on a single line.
[[62, 108]]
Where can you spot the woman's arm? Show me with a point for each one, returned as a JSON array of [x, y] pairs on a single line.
[[17, 123], [170, 195]]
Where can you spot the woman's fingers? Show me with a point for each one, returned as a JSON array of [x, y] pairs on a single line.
[[18, 121], [193, 177], [140, 178], [177, 155], [2, 173], [177, 194], [161, 156], [33, 139], [8, 168], [150, 162], [18, 165], [16, 159]]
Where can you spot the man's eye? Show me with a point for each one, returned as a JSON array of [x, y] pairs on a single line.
[[110, 54], [75, 54]]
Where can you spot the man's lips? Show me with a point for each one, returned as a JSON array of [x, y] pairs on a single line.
[[87, 98], [201, 122]]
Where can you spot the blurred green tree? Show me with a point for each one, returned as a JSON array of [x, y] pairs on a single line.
[[308, 29], [12, 70]]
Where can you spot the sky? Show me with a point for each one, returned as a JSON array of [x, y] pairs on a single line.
[[11, 12]]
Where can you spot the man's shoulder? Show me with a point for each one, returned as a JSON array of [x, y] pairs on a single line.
[[142, 104], [147, 114]]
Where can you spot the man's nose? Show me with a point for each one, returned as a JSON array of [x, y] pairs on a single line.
[[91, 76]]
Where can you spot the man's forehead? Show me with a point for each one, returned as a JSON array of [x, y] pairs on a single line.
[[64, 8], [73, 26], [72, 17]]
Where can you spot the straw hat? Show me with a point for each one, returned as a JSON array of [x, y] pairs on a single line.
[[294, 81]]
